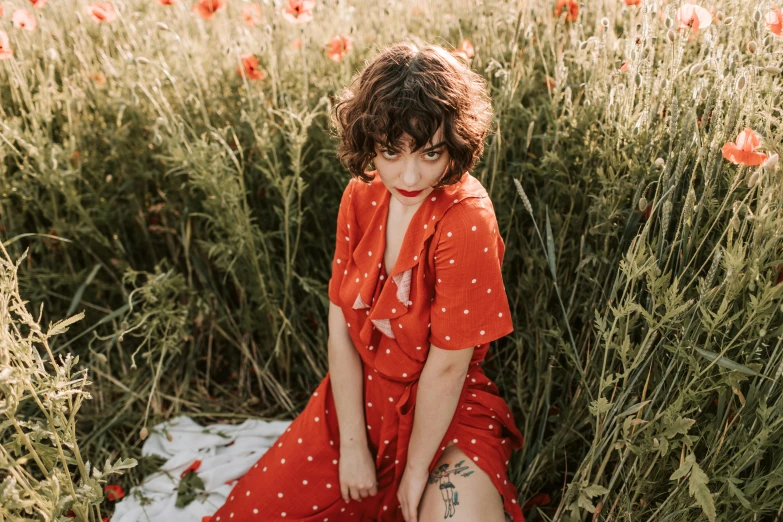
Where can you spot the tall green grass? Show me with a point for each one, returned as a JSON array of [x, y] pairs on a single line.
[[185, 215]]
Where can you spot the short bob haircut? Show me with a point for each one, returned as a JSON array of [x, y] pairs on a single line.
[[413, 89]]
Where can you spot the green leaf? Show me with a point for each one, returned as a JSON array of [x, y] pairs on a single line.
[[737, 492], [601, 405], [594, 490], [723, 361], [697, 487], [679, 426], [550, 247], [77, 297], [585, 503], [684, 468], [188, 489]]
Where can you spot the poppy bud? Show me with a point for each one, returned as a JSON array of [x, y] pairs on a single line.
[[771, 69], [638, 80], [696, 68], [671, 35], [143, 433], [752, 46], [605, 22], [642, 204], [659, 162], [753, 179], [729, 20], [771, 162], [740, 83], [668, 22], [757, 16], [162, 26]]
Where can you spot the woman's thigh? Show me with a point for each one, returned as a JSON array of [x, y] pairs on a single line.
[[461, 491]]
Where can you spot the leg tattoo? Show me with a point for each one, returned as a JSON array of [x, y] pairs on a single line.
[[447, 491]]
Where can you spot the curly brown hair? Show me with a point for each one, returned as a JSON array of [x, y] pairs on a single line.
[[413, 89]]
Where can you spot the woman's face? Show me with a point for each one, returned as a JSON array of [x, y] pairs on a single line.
[[414, 172]]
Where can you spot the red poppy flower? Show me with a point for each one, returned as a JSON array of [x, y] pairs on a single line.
[[193, 467], [206, 9], [251, 14], [105, 519], [167, 2], [647, 212], [693, 16], [5, 47], [113, 492], [24, 19], [102, 12], [780, 274], [633, 2], [250, 67], [774, 20], [465, 48], [338, 47], [206, 518], [542, 499], [38, 4], [299, 11], [571, 7], [742, 152], [296, 43], [625, 66]]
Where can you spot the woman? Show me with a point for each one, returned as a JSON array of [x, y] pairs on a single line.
[[405, 425]]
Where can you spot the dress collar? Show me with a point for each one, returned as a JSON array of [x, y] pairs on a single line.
[[368, 254]]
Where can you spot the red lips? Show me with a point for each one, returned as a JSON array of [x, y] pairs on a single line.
[[409, 194]]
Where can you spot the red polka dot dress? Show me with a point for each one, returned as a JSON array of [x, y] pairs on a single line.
[[446, 290]]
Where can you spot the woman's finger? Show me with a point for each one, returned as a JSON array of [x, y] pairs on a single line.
[[355, 494], [364, 493], [374, 490], [344, 491]]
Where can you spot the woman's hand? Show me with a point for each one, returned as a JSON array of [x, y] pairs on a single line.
[[357, 472], [410, 492]]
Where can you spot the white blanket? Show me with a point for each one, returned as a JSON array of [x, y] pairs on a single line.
[[221, 466]]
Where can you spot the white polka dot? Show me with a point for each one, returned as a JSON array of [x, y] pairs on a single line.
[[489, 290], [304, 482], [370, 376], [473, 228], [500, 314], [473, 380], [282, 461], [357, 279], [466, 311], [231, 515], [279, 495], [247, 494], [369, 252], [255, 511], [442, 309], [339, 261], [282, 514], [369, 405], [404, 374], [334, 461], [349, 324], [317, 419], [310, 458], [386, 442], [264, 468], [449, 234], [346, 238], [300, 440], [451, 261], [475, 458], [418, 347], [374, 203], [473, 441], [485, 249], [328, 485], [425, 225], [415, 258], [315, 507], [482, 332], [394, 310], [512, 500], [473, 281], [391, 400], [433, 198], [448, 338], [388, 351], [279, 444]]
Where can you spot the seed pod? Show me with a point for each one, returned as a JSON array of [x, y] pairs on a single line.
[[757, 16], [659, 162], [638, 80], [740, 83], [696, 68], [143, 433], [642, 204], [771, 69], [752, 46], [753, 179], [668, 22], [729, 20], [605, 21], [771, 162], [671, 35], [735, 224]]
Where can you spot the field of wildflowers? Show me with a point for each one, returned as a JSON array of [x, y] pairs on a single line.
[[168, 194]]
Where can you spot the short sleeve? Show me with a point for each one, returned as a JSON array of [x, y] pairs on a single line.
[[341, 250], [470, 306]]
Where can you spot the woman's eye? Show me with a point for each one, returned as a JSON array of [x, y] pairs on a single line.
[[437, 155], [387, 153]]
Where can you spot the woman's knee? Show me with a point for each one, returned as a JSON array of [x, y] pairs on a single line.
[[458, 489]]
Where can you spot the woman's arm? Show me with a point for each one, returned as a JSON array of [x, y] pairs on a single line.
[[440, 385], [345, 368]]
